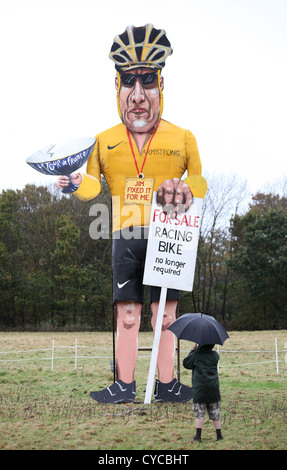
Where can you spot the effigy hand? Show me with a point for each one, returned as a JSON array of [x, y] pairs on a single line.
[[65, 181], [174, 196]]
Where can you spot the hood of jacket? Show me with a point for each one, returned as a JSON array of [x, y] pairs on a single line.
[[205, 347]]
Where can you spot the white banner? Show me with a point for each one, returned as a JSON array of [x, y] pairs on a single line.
[[172, 247]]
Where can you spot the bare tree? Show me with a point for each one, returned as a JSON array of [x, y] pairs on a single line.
[[224, 197]]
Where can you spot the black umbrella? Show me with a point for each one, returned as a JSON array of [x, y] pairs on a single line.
[[200, 328]]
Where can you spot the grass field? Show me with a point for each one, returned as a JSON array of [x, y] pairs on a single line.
[[49, 409]]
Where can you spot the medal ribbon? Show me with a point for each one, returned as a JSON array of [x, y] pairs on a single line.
[[140, 174]]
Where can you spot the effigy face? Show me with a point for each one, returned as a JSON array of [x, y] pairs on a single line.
[[139, 99]]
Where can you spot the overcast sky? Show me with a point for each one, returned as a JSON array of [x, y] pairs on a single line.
[[225, 82]]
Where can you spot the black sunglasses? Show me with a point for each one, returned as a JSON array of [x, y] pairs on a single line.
[[129, 79]]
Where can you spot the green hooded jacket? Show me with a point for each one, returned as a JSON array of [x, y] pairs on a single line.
[[205, 382]]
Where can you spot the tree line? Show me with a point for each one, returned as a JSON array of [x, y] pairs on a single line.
[[54, 275]]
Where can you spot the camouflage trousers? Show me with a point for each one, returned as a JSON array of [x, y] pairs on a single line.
[[213, 410]]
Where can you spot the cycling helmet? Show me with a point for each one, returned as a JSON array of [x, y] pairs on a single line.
[[142, 46]]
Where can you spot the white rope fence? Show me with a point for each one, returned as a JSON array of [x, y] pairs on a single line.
[[76, 356], [254, 363], [52, 357]]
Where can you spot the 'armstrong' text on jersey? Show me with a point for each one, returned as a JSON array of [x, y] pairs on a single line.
[[168, 152]]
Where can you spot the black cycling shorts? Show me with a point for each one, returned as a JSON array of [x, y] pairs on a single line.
[[128, 257]]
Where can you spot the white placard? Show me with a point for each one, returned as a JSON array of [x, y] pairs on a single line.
[[172, 247]]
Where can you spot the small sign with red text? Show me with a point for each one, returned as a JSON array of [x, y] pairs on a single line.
[[138, 191]]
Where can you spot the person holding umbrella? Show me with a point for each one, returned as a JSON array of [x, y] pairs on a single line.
[[206, 331], [202, 360]]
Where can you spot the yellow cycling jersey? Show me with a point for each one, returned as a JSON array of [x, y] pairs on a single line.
[[168, 155]]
